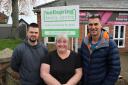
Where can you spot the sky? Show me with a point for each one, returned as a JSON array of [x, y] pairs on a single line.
[[29, 16], [5, 6]]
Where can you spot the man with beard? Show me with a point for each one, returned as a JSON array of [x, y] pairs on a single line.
[[26, 58], [101, 62]]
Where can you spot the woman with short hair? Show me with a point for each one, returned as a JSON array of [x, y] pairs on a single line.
[[62, 66]]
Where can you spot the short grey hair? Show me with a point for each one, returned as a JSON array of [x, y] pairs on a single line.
[[62, 35]]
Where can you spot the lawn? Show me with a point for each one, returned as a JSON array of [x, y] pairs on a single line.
[[9, 43]]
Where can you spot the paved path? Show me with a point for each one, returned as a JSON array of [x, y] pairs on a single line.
[[124, 70], [124, 66]]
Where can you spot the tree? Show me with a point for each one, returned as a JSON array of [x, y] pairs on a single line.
[[15, 14], [15, 21], [17, 7], [0, 4]]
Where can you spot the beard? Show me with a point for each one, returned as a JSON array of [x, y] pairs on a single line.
[[32, 40]]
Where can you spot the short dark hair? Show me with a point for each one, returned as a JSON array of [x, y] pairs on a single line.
[[35, 25], [94, 16]]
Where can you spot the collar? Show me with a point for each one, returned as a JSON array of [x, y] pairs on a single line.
[[102, 42]]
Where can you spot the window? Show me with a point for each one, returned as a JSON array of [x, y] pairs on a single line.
[[119, 35], [50, 40]]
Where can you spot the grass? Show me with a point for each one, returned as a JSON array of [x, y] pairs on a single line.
[[9, 43]]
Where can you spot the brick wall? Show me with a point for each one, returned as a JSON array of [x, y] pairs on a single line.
[[126, 42], [82, 33], [39, 19], [3, 18]]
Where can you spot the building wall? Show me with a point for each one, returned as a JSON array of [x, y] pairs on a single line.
[[3, 18], [122, 50], [109, 19], [39, 23], [39, 19], [125, 49], [82, 32]]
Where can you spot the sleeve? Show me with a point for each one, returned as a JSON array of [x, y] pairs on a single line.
[[16, 59], [113, 64], [78, 61], [46, 59]]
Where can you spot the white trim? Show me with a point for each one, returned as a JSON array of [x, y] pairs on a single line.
[[102, 9], [72, 43], [76, 44], [85, 30]]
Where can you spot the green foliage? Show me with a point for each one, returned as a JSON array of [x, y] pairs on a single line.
[[9, 43]]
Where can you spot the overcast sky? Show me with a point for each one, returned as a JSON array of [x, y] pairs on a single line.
[[29, 12], [5, 6]]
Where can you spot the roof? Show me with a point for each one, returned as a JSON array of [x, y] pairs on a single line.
[[49, 4], [29, 19], [113, 5], [21, 20], [3, 18], [2, 14]]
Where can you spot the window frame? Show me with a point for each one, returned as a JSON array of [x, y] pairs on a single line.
[[118, 37]]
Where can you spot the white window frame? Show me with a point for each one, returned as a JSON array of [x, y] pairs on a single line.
[[119, 35], [86, 30]]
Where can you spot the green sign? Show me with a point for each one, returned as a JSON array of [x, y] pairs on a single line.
[[55, 20]]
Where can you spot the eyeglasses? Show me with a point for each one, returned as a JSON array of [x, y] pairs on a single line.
[[94, 16], [95, 24]]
